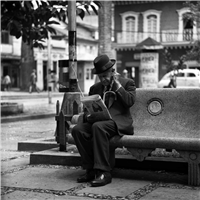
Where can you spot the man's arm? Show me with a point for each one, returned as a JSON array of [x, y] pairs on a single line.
[[126, 92]]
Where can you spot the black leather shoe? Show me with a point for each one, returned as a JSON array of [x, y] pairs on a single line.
[[102, 178], [88, 176]]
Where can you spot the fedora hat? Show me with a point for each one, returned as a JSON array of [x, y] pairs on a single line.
[[102, 63]]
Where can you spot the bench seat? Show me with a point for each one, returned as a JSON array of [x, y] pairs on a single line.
[[164, 118], [128, 141]]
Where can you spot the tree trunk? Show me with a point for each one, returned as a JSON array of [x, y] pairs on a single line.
[[27, 65], [105, 32]]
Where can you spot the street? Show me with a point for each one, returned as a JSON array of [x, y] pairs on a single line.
[[12, 133]]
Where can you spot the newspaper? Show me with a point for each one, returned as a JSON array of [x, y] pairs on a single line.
[[94, 103]]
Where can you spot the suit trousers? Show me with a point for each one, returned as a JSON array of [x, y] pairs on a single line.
[[92, 141]]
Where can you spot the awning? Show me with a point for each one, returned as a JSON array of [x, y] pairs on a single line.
[[134, 2], [185, 45], [10, 57], [149, 44]]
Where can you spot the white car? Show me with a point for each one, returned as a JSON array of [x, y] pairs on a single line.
[[185, 78]]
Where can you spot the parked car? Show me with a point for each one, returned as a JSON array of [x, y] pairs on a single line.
[[185, 78]]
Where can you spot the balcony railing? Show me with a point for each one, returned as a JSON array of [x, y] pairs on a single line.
[[135, 38], [188, 35], [169, 36], [58, 44], [6, 48], [166, 36], [14, 48]]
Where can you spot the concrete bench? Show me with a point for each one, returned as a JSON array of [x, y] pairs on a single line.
[[163, 118]]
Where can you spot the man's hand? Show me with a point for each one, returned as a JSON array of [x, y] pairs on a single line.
[[98, 116], [116, 83]]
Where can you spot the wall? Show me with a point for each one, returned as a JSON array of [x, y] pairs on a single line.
[[17, 46]]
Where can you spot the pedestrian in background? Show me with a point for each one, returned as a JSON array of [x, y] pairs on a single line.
[[125, 73], [6, 83], [33, 79], [52, 80], [172, 82], [55, 82]]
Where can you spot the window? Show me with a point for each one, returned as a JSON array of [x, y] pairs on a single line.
[[130, 27], [5, 39], [190, 75], [187, 30], [180, 74], [89, 74], [91, 50], [55, 67], [151, 25]]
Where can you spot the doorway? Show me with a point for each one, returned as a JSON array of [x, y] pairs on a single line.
[[187, 30], [137, 76], [5, 71], [133, 73]]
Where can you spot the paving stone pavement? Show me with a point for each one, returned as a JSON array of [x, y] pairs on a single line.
[[59, 182]]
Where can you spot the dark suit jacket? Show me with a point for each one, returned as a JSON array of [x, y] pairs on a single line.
[[120, 107]]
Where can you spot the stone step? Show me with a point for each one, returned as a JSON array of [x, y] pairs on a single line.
[[70, 158], [37, 144]]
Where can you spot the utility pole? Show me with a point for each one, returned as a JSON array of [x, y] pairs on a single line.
[[49, 67], [72, 46]]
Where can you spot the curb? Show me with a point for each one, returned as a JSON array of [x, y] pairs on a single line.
[[26, 117], [46, 151], [28, 96], [37, 144], [55, 157]]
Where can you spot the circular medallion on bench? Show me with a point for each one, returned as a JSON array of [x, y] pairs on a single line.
[[155, 106]]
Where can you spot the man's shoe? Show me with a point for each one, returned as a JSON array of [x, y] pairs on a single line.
[[88, 176], [103, 178]]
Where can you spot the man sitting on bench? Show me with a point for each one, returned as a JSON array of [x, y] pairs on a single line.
[[92, 136]]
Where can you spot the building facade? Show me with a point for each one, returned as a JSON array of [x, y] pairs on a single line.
[[162, 21], [10, 58], [87, 50]]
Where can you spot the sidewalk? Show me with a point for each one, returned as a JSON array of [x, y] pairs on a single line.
[[36, 105], [38, 182], [22, 181], [26, 95]]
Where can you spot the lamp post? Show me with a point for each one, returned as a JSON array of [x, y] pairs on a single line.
[[72, 46]]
